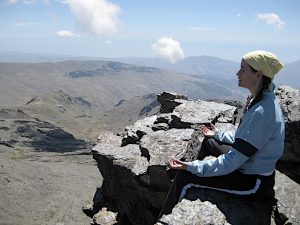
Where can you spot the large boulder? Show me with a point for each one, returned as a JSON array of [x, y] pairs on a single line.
[[136, 177], [290, 103], [225, 209]]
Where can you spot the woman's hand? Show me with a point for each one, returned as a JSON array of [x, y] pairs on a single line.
[[209, 132], [177, 164]]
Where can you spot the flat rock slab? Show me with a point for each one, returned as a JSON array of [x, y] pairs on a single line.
[[202, 112], [128, 157], [160, 146]]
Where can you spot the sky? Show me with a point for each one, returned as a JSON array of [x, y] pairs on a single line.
[[171, 29]]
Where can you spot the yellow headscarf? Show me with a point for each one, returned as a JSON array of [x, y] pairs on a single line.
[[265, 62]]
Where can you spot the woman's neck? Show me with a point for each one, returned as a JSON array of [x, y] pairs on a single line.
[[255, 90]]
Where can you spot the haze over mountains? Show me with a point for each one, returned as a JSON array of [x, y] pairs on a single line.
[[208, 66], [213, 68]]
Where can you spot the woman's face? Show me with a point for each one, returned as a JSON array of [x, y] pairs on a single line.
[[247, 78]]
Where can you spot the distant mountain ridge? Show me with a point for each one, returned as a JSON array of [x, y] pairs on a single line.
[[213, 67], [195, 65], [103, 83], [111, 67], [208, 66]]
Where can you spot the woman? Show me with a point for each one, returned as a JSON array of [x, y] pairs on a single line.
[[246, 158]]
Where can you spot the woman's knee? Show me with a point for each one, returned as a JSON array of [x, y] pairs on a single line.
[[182, 177]]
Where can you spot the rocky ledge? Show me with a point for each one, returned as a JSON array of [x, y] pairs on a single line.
[[136, 177]]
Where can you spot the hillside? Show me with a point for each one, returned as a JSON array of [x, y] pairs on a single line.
[[73, 114], [77, 116], [128, 111], [101, 83]]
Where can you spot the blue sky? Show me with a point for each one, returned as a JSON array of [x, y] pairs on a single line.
[[171, 29]]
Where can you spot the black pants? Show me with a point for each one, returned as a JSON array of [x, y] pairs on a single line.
[[236, 183]]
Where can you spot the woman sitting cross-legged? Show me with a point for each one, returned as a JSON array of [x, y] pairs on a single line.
[[245, 158]]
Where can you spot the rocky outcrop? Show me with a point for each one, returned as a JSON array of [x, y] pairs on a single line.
[[18, 130], [136, 177], [201, 206], [213, 206], [290, 102]]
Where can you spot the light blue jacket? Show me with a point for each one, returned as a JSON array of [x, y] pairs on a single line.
[[257, 143]]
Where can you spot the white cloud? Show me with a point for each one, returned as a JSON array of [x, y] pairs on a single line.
[[65, 33], [100, 17], [271, 19], [168, 48]]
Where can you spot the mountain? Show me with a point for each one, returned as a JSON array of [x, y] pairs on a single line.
[[211, 67], [86, 97], [215, 68], [76, 116], [128, 111], [103, 83], [290, 75], [73, 114], [197, 65]]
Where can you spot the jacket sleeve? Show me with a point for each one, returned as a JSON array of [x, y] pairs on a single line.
[[225, 137], [254, 133], [224, 164]]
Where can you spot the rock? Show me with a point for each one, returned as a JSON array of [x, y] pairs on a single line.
[[128, 157], [160, 126], [140, 169], [90, 208], [159, 146], [163, 118], [105, 217], [194, 213], [135, 132], [168, 101], [290, 103], [232, 210], [108, 137], [194, 146], [238, 211], [19, 130], [287, 192], [202, 112], [136, 177]]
